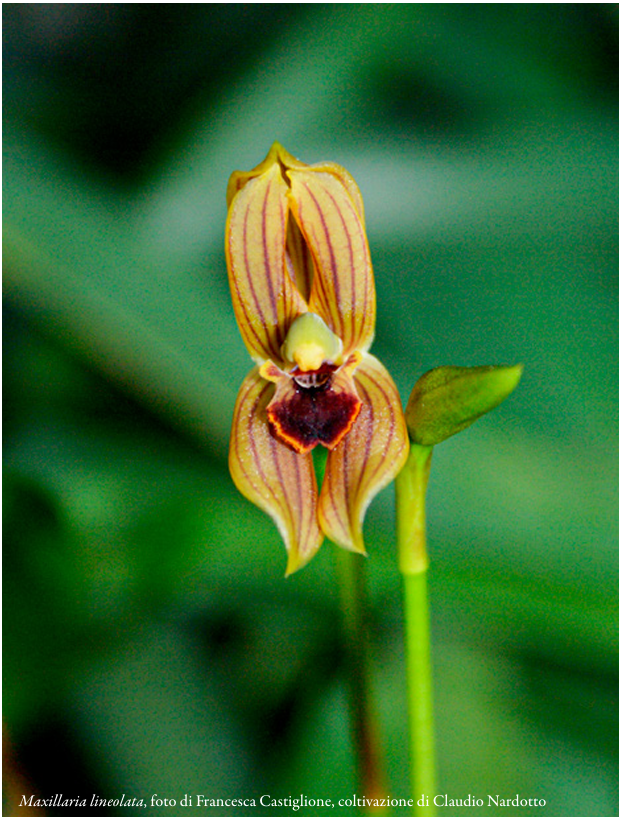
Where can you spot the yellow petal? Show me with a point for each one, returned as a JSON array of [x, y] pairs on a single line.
[[367, 459], [265, 298], [346, 179], [280, 482], [331, 222]]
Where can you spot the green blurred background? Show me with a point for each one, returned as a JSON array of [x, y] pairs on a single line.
[[151, 644]]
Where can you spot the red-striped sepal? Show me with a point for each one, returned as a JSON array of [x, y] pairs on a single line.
[[368, 458], [279, 481]]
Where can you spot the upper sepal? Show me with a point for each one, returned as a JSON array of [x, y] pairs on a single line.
[[265, 298], [447, 399], [296, 242], [330, 220]]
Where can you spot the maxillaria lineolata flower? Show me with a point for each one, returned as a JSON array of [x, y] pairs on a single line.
[[304, 298]]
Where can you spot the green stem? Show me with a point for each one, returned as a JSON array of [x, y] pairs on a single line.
[[410, 489], [363, 718]]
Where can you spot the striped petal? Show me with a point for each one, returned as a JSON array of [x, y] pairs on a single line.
[[367, 459], [330, 220], [346, 179], [265, 298], [279, 481]]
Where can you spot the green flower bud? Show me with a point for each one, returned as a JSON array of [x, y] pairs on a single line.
[[447, 399]]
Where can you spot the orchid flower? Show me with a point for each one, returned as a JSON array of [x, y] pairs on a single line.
[[304, 298]]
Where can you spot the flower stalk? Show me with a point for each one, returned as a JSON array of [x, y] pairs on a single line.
[[363, 717], [410, 491]]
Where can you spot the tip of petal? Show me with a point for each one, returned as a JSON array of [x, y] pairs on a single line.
[[297, 560], [277, 155], [348, 538], [356, 545], [294, 562]]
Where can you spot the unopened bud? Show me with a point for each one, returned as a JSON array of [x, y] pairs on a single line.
[[447, 399]]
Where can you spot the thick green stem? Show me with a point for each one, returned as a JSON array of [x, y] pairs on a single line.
[[410, 489], [363, 717], [422, 757]]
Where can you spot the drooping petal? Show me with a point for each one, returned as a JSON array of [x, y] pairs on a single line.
[[270, 475], [265, 298], [367, 459], [343, 291]]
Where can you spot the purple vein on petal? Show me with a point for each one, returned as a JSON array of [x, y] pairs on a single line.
[[331, 251], [356, 310], [365, 398], [239, 462], [248, 324], [253, 447], [391, 433], [319, 285], [268, 273]]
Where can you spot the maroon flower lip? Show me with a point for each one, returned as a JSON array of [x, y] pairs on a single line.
[[310, 411]]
